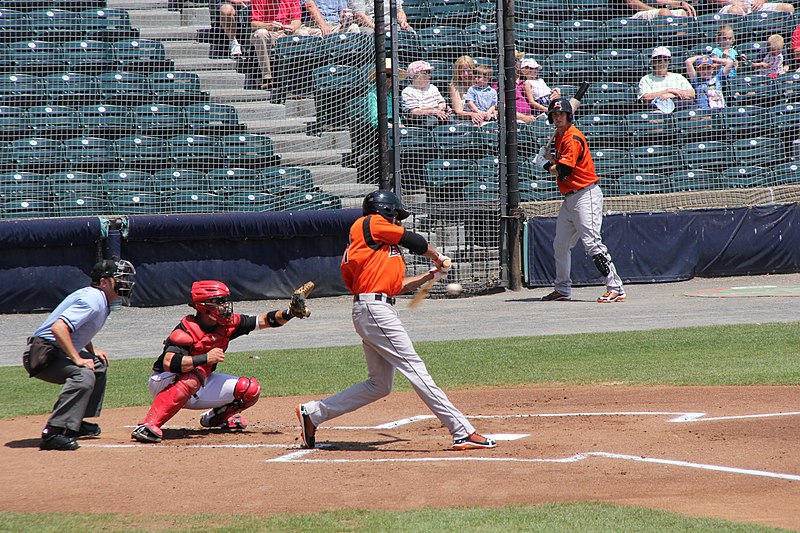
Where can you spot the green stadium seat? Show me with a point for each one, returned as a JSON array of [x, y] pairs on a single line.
[[759, 25], [785, 121], [584, 34], [177, 88], [539, 191], [106, 121], [90, 154], [335, 88], [37, 154], [570, 67], [141, 204], [123, 88], [159, 120], [417, 147], [73, 183], [658, 159], [24, 185], [447, 184], [676, 31], [109, 25], [71, 89], [481, 38], [786, 174], [79, 5], [81, 206], [280, 180], [54, 122], [88, 56], [758, 151], [27, 208], [646, 128], [547, 10], [789, 87], [611, 163], [628, 33], [619, 65], [194, 201], [615, 98], [707, 155], [482, 192], [116, 182], [694, 125], [744, 122], [142, 152], [752, 90], [248, 150], [643, 183], [252, 202], [311, 201], [695, 180], [226, 181], [350, 49], [141, 55], [538, 37], [445, 43], [36, 57], [745, 177], [14, 26], [417, 13], [462, 141], [169, 181], [453, 12], [55, 25], [293, 61], [198, 152], [213, 119], [408, 47], [604, 131], [709, 23], [13, 123], [595, 10]]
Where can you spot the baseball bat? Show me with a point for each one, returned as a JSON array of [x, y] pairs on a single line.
[[423, 291]]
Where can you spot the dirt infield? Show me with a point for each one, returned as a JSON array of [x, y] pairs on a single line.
[[721, 452]]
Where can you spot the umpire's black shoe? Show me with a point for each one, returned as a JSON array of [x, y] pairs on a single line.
[[56, 439], [88, 429], [307, 428]]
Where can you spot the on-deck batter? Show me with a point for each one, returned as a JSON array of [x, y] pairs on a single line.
[[374, 269], [581, 212]]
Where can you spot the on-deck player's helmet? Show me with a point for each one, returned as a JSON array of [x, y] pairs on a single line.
[[385, 203], [559, 104], [121, 271], [211, 297]]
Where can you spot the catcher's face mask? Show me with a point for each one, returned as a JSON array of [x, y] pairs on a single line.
[[123, 279], [220, 309]]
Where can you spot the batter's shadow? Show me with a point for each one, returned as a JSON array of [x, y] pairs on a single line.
[[539, 300]]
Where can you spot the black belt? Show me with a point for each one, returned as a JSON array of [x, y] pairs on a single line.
[[592, 186], [374, 297]]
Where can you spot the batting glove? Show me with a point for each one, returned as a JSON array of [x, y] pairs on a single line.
[[438, 273]]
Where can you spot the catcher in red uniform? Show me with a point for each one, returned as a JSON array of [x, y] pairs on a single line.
[[184, 374]]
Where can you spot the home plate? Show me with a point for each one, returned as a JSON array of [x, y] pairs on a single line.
[[507, 436]]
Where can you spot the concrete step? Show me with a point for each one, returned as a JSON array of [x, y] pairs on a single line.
[[348, 189], [286, 125], [292, 108], [325, 175], [203, 64], [150, 18], [186, 49], [220, 79], [298, 142], [168, 33], [134, 5], [352, 203], [311, 158], [238, 96]]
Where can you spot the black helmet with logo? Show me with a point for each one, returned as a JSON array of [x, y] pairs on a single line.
[[385, 203]]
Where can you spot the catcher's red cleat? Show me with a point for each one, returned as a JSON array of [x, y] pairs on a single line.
[[237, 421], [307, 428], [473, 442]]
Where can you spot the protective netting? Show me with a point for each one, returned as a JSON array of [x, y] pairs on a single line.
[[153, 106]]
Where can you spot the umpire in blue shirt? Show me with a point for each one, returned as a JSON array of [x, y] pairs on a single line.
[[61, 351]]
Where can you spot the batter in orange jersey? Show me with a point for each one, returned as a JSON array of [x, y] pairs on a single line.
[[373, 269]]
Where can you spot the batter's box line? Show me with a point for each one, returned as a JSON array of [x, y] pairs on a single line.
[[300, 457]]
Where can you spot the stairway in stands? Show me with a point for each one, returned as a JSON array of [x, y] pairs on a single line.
[[286, 124]]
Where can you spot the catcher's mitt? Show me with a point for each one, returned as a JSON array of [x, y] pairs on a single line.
[[298, 306]]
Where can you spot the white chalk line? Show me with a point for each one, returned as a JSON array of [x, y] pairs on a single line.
[[299, 457]]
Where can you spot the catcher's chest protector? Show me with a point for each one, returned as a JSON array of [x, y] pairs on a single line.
[[203, 342]]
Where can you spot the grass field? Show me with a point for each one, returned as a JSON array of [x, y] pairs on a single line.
[[765, 354]]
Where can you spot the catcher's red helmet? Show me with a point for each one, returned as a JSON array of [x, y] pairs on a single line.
[[211, 297]]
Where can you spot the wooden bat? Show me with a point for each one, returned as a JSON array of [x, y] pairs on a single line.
[[423, 291]]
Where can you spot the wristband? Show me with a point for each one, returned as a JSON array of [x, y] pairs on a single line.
[[287, 315], [199, 360], [547, 165], [272, 319]]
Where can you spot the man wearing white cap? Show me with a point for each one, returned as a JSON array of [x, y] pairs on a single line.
[[423, 104], [664, 89]]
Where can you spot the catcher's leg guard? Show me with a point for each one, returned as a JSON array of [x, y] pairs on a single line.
[[245, 394], [172, 399]]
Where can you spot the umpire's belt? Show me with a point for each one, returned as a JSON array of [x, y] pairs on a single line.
[[374, 297], [592, 186]]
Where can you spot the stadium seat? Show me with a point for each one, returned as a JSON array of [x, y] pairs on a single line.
[[71, 89], [758, 26], [417, 147], [27, 208], [54, 122], [117, 182], [198, 152], [752, 90], [226, 181], [37, 154], [453, 12], [141, 55], [537, 37], [694, 125], [744, 122], [159, 120], [168, 181], [745, 177], [657, 159], [604, 131], [81, 206], [758, 151], [176, 88], [709, 23], [106, 121], [417, 13], [13, 123], [252, 202], [184, 201], [643, 183], [141, 204], [311, 201], [586, 35], [754, 51], [619, 65], [707, 155], [650, 128], [408, 47], [88, 56], [538, 191], [481, 39], [789, 87], [628, 33], [14, 26], [335, 88], [445, 43], [293, 61], [142, 152], [213, 119], [109, 25], [447, 183], [482, 191], [90, 154], [614, 98], [280, 180], [124, 88], [547, 10], [248, 150], [676, 31], [73, 183], [695, 180], [786, 174], [785, 121], [595, 10], [444, 165], [611, 163], [461, 141], [22, 185], [37, 58], [350, 49], [55, 25], [572, 67]]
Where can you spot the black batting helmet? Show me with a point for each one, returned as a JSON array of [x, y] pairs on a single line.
[[385, 203], [559, 104]]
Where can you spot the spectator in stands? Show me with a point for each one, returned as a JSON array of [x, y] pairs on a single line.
[[663, 89], [796, 46], [423, 104], [463, 78], [364, 12], [743, 7], [708, 79], [772, 63], [327, 17], [667, 8], [371, 103], [537, 93], [271, 20], [725, 47], [230, 13], [481, 98]]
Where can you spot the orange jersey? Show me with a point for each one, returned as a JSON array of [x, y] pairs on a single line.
[[373, 261], [573, 150]]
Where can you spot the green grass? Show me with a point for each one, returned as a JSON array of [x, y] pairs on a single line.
[[764, 354], [550, 518]]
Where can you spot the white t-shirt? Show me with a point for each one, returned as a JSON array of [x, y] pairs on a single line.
[[539, 88], [651, 83], [427, 98]]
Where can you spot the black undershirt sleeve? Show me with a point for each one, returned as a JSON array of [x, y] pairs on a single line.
[[415, 242]]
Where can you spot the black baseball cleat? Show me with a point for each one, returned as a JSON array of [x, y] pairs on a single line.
[[307, 428], [56, 439], [88, 429]]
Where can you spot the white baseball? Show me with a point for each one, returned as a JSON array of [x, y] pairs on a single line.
[[454, 289]]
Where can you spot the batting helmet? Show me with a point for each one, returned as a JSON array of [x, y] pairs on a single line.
[[559, 104], [385, 203], [120, 270], [211, 297]]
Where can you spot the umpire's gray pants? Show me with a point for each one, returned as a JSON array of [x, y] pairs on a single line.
[[83, 391]]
